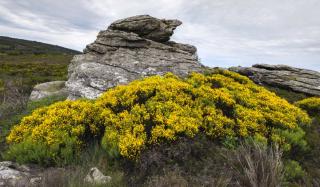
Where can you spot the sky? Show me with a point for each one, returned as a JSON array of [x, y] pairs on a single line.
[[226, 32]]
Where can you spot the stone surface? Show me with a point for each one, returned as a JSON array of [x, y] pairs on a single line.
[[147, 27], [47, 89], [95, 176], [129, 49], [15, 175], [295, 79], [12, 174]]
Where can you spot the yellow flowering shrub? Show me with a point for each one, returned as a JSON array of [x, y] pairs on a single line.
[[129, 118], [312, 105], [61, 127], [223, 104]]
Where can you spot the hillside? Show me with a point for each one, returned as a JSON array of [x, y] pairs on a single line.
[[14, 46], [25, 63]]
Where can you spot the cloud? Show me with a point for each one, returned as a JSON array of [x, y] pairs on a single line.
[[226, 33]]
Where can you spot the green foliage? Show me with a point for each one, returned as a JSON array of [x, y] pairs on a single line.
[[310, 160], [73, 175], [293, 171], [30, 151], [94, 156]]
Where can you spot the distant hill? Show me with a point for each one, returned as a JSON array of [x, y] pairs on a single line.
[[14, 46], [24, 64]]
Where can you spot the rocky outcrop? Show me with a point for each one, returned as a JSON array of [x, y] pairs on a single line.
[[295, 79], [47, 89], [129, 49]]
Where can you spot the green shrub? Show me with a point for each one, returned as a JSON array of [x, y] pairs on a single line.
[[293, 171], [310, 160], [30, 151]]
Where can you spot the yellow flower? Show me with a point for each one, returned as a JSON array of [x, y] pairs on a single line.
[[129, 118]]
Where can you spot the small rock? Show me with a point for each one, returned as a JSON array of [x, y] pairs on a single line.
[[47, 89], [95, 176], [35, 180]]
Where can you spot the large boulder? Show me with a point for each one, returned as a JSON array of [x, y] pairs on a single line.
[[129, 49], [295, 79], [47, 89]]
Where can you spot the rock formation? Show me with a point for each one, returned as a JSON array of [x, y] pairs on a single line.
[[47, 89], [129, 49], [295, 79]]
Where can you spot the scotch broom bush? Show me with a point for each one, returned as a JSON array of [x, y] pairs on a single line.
[[222, 105], [59, 131]]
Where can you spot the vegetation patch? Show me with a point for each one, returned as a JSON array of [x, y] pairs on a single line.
[[8, 121], [310, 160], [311, 105], [224, 106]]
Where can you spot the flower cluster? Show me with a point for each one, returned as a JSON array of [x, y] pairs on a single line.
[[223, 104], [157, 109], [312, 105], [62, 126]]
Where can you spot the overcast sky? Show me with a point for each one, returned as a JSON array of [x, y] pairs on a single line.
[[226, 32]]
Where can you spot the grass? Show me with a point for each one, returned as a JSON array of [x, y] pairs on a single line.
[[25, 71], [74, 174], [34, 69], [18, 75]]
